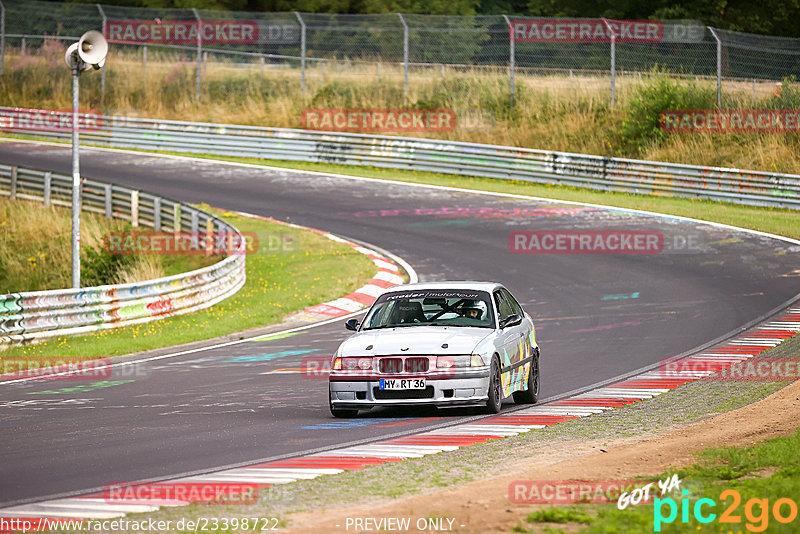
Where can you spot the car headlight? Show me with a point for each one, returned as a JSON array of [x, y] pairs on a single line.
[[448, 362], [353, 364]]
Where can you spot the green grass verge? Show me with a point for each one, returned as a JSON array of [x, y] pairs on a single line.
[[746, 481], [298, 270]]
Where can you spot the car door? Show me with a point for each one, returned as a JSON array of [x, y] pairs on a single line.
[[508, 343], [525, 329]]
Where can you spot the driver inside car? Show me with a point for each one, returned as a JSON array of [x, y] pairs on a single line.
[[471, 310]]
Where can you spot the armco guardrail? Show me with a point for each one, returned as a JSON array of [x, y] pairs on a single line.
[[597, 172], [32, 316]]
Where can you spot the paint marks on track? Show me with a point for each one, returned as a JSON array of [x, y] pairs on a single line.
[[270, 356], [646, 385]]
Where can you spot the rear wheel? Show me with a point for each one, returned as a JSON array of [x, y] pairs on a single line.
[[530, 395], [495, 400]]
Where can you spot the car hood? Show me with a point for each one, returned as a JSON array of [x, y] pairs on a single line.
[[414, 340]]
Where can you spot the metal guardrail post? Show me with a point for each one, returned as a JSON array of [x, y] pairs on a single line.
[[511, 58], [135, 208], [719, 65], [107, 201], [176, 217], [194, 230], [2, 38], [199, 53], [405, 54], [103, 69], [48, 184], [157, 214], [209, 237], [13, 195], [302, 49]]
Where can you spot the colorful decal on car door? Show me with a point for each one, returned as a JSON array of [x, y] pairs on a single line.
[[516, 378]]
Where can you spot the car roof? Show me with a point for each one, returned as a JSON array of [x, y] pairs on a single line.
[[454, 284]]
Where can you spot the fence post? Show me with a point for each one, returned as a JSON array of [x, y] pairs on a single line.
[[157, 214], [22, 51], [144, 57], [511, 58], [719, 65], [48, 183], [613, 62], [103, 70], [405, 54], [13, 196], [199, 52], [2, 38], [302, 50]]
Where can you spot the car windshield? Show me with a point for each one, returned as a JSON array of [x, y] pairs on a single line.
[[431, 308]]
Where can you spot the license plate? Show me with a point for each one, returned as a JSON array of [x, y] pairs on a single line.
[[402, 383]]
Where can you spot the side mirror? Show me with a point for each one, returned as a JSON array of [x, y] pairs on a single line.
[[511, 320], [351, 324]]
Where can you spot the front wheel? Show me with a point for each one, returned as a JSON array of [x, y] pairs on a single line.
[[495, 400], [341, 413], [530, 395]]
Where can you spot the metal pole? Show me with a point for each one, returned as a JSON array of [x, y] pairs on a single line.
[[613, 61], [103, 70], [2, 38], [511, 58], [719, 65], [76, 184], [302, 50], [405, 54], [199, 52], [144, 57]]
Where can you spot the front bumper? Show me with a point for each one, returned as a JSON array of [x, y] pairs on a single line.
[[467, 388]]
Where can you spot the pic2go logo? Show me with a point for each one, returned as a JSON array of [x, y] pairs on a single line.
[[756, 511]]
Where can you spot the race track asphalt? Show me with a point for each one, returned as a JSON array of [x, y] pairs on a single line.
[[597, 316]]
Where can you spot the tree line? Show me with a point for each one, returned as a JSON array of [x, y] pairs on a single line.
[[768, 17]]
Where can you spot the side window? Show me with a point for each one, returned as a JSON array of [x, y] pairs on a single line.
[[515, 307], [503, 305]]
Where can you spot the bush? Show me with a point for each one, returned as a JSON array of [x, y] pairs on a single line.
[[642, 126], [100, 267]]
